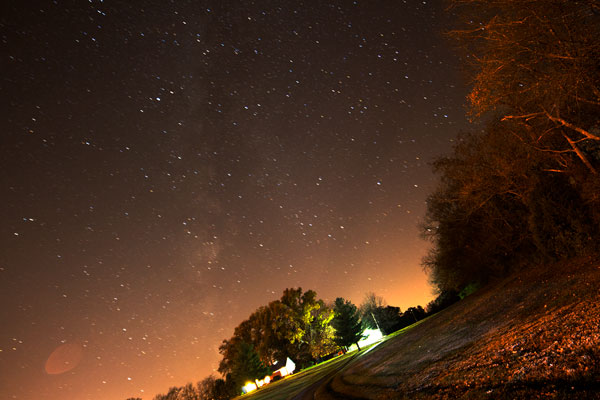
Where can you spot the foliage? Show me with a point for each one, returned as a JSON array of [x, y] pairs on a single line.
[[560, 221], [320, 333], [179, 393], [211, 388], [477, 217], [369, 308], [346, 322], [311, 335], [296, 326], [525, 188], [389, 319], [412, 315], [497, 208], [443, 300], [469, 290], [537, 62], [375, 314], [247, 366], [300, 324]]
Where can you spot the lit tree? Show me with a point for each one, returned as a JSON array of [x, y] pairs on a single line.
[[537, 63], [296, 326], [320, 333]]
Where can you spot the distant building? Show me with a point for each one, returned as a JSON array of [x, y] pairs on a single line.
[[284, 370]]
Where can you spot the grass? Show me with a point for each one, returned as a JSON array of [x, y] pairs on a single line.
[[293, 384], [532, 335]]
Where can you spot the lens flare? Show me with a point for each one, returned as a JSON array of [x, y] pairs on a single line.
[[64, 358]]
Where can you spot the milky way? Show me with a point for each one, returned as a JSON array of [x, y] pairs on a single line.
[[169, 167]]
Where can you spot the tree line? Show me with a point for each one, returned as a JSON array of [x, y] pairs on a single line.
[[300, 326], [524, 189]]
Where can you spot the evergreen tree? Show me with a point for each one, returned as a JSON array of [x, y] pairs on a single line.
[[346, 322], [247, 365]]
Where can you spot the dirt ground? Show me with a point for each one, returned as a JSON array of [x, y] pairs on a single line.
[[533, 335]]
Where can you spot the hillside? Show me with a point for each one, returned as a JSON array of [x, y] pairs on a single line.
[[533, 335]]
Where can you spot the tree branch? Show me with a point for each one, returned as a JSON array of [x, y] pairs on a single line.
[[580, 154], [569, 125]]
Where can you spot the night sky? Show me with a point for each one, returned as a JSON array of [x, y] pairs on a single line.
[[169, 166]]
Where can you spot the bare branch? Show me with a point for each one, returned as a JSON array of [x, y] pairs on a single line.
[[526, 117], [569, 125], [580, 154]]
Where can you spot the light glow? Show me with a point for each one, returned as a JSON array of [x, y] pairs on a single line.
[[249, 387], [370, 336]]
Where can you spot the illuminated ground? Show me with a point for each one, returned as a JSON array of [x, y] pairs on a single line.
[[300, 384], [533, 335]]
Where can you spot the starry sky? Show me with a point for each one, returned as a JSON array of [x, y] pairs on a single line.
[[169, 166]]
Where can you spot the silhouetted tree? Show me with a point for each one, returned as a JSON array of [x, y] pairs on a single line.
[[247, 366], [368, 309], [388, 318], [172, 394], [477, 217], [346, 322], [443, 300], [211, 388], [376, 315]]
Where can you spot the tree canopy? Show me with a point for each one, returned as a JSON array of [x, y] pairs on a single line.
[[296, 326], [526, 187], [537, 63], [247, 365]]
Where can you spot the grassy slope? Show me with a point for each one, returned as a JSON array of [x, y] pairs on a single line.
[[533, 335]]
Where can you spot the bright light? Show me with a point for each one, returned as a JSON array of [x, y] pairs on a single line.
[[267, 379], [249, 387], [371, 336]]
